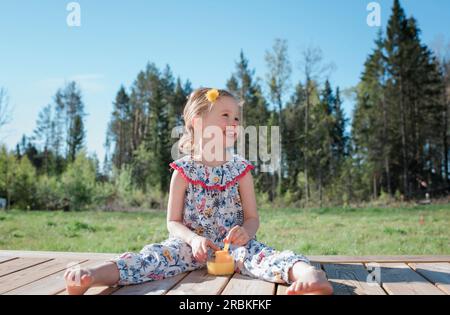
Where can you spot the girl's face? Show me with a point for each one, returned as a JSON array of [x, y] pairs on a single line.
[[224, 118]]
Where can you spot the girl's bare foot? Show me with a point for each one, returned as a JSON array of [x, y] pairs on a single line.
[[310, 281], [78, 280]]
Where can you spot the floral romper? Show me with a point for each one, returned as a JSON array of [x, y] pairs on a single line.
[[212, 207]]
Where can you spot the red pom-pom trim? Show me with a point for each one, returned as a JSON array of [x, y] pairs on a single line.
[[212, 187]]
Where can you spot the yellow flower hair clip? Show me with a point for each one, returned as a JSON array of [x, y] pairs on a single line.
[[212, 95]]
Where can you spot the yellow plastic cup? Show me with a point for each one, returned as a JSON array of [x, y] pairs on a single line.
[[222, 264]]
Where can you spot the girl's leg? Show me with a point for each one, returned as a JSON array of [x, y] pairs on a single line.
[[79, 280], [263, 262], [153, 262]]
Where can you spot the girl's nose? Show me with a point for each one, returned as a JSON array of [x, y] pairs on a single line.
[[232, 126]]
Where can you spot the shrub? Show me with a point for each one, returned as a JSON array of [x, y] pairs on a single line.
[[23, 184], [48, 193], [78, 182]]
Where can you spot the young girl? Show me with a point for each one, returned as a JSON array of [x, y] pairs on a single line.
[[211, 201]]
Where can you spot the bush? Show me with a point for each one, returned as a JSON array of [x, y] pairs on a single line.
[[48, 193], [78, 183], [123, 195], [105, 195], [23, 184], [123, 183]]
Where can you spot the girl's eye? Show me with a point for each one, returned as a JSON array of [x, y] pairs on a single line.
[[226, 115], [237, 119]]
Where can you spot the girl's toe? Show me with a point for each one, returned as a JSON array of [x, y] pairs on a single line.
[[291, 289], [296, 288], [86, 280]]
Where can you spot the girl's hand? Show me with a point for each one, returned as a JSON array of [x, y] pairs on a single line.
[[238, 236], [199, 245]]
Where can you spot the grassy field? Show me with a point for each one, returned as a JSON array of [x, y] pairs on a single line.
[[330, 231]]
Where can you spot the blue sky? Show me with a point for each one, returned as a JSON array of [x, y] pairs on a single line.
[[201, 40]]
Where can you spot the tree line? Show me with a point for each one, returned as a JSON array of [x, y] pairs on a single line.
[[397, 146]]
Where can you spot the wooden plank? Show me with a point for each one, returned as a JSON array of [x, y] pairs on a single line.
[[49, 254], [6, 258], [159, 287], [199, 282], [399, 278], [50, 285], [15, 265], [380, 259], [100, 290], [437, 273], [316, 265], [28, 275], [351, 279], [394, 281], [317, 258], [243, 285]]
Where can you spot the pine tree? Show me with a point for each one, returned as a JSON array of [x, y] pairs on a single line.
[[278, 82], [119, 129], [293, 137], [313, 68], [76, 136], [69, 109], [400, 105], [371, 126], [322, 123], [43, 134], [338, 132]]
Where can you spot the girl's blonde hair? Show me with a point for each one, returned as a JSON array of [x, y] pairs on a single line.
[[197, 104]]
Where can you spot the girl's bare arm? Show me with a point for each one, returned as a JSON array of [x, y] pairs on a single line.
[[175, 209], [248, 199]]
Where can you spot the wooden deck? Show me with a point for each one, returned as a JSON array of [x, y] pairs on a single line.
[[29, 272]]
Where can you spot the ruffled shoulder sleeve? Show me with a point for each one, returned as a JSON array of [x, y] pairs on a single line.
[[212, 178]]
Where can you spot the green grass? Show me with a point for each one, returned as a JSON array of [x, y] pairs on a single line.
[[328, 231]]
